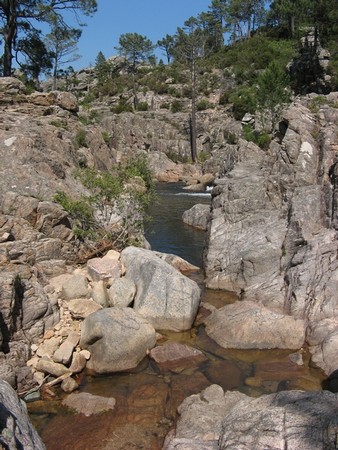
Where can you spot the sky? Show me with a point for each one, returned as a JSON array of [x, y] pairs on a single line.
[[151, 18]]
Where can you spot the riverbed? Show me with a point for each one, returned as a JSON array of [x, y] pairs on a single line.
[[147, 398]]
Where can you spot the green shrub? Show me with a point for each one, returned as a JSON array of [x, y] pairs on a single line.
[[202, 105], [106, 137], [261, 139], [165, 105], [81, 138], [142, 106], [203, 156], [80, 209], [176, 106], [122, 107]]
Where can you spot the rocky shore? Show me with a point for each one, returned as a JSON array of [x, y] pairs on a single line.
[[272, 239]]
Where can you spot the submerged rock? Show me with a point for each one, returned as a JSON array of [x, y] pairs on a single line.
[[89, 404]]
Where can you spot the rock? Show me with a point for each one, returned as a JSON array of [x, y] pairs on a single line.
[[78, 362], [11, 86], [176, 357], [64, 353], [198, 216], [118, 339], [122, 292], [178, 263], [103, 269], [248, 325], [86, 354], [55, 369], [201, 417], [75, 287], [99, 293], [48, 347], [81, 308], [282, 420], [69, 385], [214, 420], [7, 373], [89, 404], [166, 298], [17, 431]]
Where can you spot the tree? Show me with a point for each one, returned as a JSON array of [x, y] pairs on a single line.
[[37, 58], [167, 44], [247, 13], [62, 43], [189, 48], [135, 48], [273, 93], [18, 19]]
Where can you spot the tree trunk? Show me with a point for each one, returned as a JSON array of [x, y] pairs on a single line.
[[10, 31], [193, 134]]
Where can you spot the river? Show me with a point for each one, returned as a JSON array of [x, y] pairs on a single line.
[[147, 398]]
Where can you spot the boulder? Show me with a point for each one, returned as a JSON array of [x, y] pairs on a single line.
[[17, 432], [122, 292], [69, 385], [75, 287], [249, 325], [118, 339], [232, 420], [198, 216], [80, 308], [165, 297], [99, 293], [103, 268]]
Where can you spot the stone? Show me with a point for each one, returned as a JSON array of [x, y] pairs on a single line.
[[17, 432], [166, 298], [249, 325], [178, 263], [64, 353], [103, 269], [78, 362], [99, 293], [176, 357], [52, 368], [122, 292], [282, 420], [86, 354], [201, 418], [11, 85], [48, 347], [118, 339], [88, 404], [69, 385], [198, 216], [7, 373], [75, 287], [80, 308], [232, 420], [112, 254]]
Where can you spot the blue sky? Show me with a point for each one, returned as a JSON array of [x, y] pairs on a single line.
[[152, 18]]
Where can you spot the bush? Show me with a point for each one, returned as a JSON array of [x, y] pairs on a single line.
[[202, 105], [176, 106], [142, 106], [261, 139], [81, 138]]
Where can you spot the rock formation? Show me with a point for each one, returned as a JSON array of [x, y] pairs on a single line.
[[272, 235], [215, 420]]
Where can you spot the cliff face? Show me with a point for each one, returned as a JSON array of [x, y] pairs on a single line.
[[273, 232]]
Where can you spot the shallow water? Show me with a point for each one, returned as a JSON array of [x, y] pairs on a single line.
[[147, 399]]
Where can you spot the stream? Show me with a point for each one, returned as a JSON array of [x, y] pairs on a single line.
[[147, 397]]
